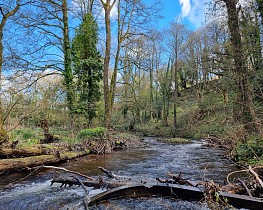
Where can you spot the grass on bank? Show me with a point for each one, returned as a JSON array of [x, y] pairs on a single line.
[[30, 137]]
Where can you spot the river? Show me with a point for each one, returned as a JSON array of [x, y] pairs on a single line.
[[145, 164]]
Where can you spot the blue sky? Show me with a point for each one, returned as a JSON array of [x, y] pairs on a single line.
[[191, 12]]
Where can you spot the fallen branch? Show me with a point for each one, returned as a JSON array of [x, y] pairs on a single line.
[[108, 173], [96, 184], [256, 175], [169, 181], [69, 171], [178, 179]]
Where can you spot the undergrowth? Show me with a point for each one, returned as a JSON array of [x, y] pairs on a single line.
[[91, 132]]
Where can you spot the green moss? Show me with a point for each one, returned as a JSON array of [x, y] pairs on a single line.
[[3, 135]]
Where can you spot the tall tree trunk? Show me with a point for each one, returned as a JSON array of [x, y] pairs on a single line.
[[114, 77], [107, 6], [151, 89], [166, 98], [243, 108], [260, 9], [106, 67], [175, 96], [123, 33], [258, 64], [115, 70], [68, 75], [3, 135]]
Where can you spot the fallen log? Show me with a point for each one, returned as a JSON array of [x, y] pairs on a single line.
[[176, 191], [21, 152], [96, 184], [43, 149], [9, 165]]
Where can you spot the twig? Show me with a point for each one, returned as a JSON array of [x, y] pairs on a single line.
[[234, 172], [256, 175], [178, 179], [170, 181], [64, 169], [245, 186], [86, 198]]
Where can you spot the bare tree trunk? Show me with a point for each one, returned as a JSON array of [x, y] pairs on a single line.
[[166, 98], [115, 70], [107, 9], [175, 96], [124, 26], [151, 88], [114, 77], [106, 68]]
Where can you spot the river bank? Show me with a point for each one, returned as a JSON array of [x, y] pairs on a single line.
[[25, 156]]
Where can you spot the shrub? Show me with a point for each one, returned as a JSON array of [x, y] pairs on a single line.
[[154, 129], [24, 134], [252, 149], [28, 134], [91, 132]]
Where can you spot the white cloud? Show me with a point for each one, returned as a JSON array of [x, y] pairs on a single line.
[[185, 7], [114, 11], [194, 10]]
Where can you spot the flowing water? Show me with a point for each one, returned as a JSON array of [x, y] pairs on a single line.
[[145, 164]]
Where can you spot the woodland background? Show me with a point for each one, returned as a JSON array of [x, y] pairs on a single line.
[[81, 64]]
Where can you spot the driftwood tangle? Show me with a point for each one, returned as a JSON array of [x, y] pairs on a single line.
[[166, 188], [126, 189]]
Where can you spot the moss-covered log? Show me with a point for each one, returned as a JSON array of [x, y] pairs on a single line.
[[22, 152], [8, 165], [44, 149]]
